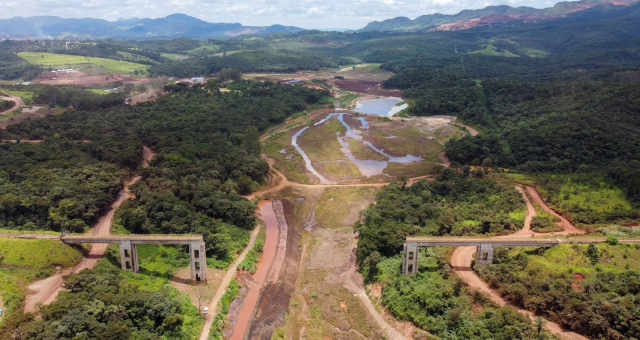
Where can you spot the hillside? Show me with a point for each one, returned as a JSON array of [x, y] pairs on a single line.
[[492, 15], [172, 26]]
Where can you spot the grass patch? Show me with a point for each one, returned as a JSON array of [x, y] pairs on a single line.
[[25, 261], [340, 207], [586, 198], [27, 96], [223, 309], [109, 65], [250, 262], [320, 142], [346, 101], [492, 51]]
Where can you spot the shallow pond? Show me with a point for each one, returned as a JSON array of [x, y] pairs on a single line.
[[386, 106]]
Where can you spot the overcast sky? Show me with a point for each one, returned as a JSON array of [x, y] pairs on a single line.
[[303, 13]]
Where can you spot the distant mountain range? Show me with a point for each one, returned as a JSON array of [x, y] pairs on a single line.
[[173, 26], [492, 15]]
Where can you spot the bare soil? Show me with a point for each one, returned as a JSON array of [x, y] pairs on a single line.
[[367, 87], [274, 302], [246, 311]]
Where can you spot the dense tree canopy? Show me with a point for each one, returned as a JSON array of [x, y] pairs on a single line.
[[208, 155]]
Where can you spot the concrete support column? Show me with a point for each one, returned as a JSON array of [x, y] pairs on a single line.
[[128, 256], [198, 256], [484, 255], [410, 259]]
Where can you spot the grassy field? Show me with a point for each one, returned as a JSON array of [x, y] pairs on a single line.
[[586, 198], [565, 258], [321, 145], [108, 65], [25, 261], [492, 51]]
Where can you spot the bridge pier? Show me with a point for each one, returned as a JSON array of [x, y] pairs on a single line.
[[129, 256], [197, 253], [484, 255], [410, 258]]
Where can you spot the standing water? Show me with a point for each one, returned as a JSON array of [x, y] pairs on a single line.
[[386, 106]]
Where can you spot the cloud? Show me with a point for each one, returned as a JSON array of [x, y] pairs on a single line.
[[303, 13]]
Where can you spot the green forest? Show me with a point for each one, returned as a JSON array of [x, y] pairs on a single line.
[[59, 185], [103, 304], [435, 299], [455, 204], [208, 156]]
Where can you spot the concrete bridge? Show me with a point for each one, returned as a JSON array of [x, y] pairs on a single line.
[[129, 255], [485, 246]]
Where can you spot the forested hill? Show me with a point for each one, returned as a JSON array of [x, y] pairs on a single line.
[[494, 15], [572, 109], [208, 155]]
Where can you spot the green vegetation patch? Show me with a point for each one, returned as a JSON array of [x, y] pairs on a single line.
[[436, 300], [109, 65], [573, 285], [250, 262], [340, 207], [453, 205], [25, 261], [586, 198], [223, 309], [103, 304], [492, 51]]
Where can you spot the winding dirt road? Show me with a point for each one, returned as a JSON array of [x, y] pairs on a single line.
[[45, 291], [18, 103], [463, 256]]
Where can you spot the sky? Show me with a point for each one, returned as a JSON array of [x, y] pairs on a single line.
[[320, 14]]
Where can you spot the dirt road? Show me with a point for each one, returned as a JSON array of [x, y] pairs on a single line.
[[45, 291], [265, 266], [18, 103], [231, 273], [463, 256]]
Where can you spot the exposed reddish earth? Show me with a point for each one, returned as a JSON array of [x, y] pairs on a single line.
[[366, 86], [222, 288], [267, 214], [45, 291]]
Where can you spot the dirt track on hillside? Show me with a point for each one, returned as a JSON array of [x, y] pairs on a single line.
[[462, 258], [17, 103], [45, 291]]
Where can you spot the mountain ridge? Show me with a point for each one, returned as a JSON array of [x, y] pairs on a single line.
[[176, 25], [490, 15]]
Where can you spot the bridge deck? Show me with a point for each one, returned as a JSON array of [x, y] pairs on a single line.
[[136, 239], [508, 242]]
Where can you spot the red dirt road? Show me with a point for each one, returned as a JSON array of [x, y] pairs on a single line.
[[17, 101], [463, 256], [269, 254], [45, 291]]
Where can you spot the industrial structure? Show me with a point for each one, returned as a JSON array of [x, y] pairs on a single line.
[[129, 255], [484, 246]]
